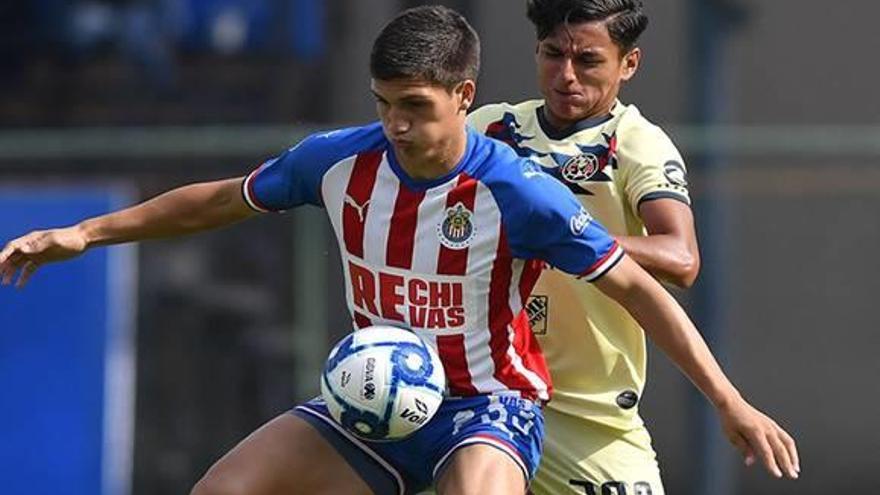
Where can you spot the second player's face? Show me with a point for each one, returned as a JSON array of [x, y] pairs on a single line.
[[580, 71], [422, 120]]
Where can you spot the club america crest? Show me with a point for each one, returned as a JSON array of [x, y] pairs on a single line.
[[456, 230], [580, 168]]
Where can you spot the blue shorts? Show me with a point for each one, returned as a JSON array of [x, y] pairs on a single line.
[[513, 425]]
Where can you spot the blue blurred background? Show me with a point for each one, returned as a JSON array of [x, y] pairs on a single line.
[[109, 102]]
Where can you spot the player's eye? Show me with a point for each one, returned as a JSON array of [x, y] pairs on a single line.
[[589, 61], [552, 53]]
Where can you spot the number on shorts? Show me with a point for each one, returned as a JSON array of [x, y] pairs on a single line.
[[611, 487]]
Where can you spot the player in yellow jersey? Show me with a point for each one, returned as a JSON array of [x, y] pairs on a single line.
[[630, 176]]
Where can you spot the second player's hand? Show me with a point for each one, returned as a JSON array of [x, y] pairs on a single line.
[[24, 255], [758, 437]]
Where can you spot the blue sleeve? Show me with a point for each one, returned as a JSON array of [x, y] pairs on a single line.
[[558, 230], [294, 177]]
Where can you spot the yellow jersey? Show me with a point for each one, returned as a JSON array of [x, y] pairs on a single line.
[[594, 348]]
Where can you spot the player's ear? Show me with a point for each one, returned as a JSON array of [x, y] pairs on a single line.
[[465, 91], [630, 64]]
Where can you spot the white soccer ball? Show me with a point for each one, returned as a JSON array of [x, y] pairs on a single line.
[[383, 383]]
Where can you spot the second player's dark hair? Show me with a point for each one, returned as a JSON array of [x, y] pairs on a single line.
[[432, 43], [625, 19]]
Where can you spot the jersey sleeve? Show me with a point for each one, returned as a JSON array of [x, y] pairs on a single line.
[[558, 230], [294, 177], [651, 167]]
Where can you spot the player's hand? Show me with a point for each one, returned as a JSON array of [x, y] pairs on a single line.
[[758, 437], [24, 255]]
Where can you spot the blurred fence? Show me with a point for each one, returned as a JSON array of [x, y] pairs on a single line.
[[233, 325]]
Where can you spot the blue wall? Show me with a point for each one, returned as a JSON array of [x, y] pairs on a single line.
[[56, 336]]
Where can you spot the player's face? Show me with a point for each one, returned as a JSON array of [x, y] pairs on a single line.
[[422, 120], [580, 71]]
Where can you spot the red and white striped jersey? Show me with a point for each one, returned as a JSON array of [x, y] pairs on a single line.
[[454, 258]]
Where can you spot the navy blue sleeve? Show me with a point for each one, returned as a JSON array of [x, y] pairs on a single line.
[[294, 177]]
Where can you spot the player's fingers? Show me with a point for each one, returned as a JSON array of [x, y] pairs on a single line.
[[10, 267], [27, 272], [791, 446], [7, 251], [762, 447], [780, 453], [742, 445]]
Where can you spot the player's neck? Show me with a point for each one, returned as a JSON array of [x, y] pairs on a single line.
[[433, 163]]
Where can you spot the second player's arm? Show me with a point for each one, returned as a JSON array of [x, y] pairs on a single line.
[[666, 323], [669, 251]]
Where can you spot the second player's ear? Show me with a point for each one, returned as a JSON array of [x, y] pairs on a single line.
[[630, 63], [466, 91]]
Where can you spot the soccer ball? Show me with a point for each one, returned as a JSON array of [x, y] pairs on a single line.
[[382, 383]]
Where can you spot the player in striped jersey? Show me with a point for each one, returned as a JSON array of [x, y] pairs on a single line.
[[630, 176], [441, 230]]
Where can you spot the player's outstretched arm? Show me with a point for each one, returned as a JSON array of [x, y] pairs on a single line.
[[184, 210], [756, 435], [669, 251]]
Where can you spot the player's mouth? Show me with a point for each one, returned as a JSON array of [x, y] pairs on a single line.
[[568, 96]]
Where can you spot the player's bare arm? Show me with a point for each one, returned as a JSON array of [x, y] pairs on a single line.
[[756, 435], [669, 251], [184, 210]]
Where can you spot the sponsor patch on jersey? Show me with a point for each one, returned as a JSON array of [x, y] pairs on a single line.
[[675, 173], [456, 230], [627, 399], [579, 221], [580, 168], [430, 302], [536, 309]]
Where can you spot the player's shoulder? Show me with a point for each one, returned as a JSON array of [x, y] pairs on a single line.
[[635, 128], [335, 145], [514, 181], [491, 113]]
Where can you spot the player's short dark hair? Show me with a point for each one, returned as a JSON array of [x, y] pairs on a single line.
[[431, 43], [625, 19]]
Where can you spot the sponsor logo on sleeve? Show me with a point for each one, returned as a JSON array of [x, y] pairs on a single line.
[[580, 221], [675, 173]]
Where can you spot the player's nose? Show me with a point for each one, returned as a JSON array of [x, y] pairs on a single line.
[[566, 71], [396, 124]]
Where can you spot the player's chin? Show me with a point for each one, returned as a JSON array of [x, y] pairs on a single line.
[[568, 110]]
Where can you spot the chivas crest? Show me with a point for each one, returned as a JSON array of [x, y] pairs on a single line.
[[456, 230]]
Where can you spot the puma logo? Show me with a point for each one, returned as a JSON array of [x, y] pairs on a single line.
[[361, 209]]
